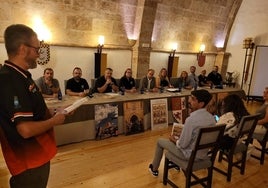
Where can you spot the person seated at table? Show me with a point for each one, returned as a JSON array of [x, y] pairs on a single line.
[[182, 145], [77, 86], [231, 112], [184, 81], [148, 82], [49, 86], [106, 83], [127, 82], [203, 79], [193, 77], [215, 77], [162, 79], [262, 124]]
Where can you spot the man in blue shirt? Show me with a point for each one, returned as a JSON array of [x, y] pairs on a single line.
[[183, 146]]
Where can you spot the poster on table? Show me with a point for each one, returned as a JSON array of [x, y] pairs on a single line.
[[179, 110], [106, 120], [133, 117], [159, 114]]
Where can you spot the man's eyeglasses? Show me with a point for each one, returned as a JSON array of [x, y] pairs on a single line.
[[37, 49]]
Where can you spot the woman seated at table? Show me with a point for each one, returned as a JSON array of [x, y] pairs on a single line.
[[162, 79], [127, 82], [184, 81]]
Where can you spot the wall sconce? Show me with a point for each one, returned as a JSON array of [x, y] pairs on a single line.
[[174, 48], [132, 42], [101, 44], [201, 57], [201, 51], [171, 58]]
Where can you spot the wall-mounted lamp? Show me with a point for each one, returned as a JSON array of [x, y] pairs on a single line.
[[201, 57], [101, 44], [132, 42], [172, 66], [174, 48], [201, 51]]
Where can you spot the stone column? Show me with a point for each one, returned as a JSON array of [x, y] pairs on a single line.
[[142, 49]]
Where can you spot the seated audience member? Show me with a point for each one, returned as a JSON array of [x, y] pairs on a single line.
[[215, 77], [262, 124], [203, 79], [148, 82], [106, 83], [184, 81], [127, 81], [49, 86], [77, 86], [162, 79], [232, 110], [193, 77], [183, 146]]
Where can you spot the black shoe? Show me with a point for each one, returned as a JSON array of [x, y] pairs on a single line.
[[173, 165], [153, 172]]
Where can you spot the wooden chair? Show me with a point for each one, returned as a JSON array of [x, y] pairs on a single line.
[[240, 145], [262, 139], [208, 138]]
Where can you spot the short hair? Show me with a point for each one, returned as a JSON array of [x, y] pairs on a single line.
[[48, 69], [109, 69], [202, 95], [77, 68], [15, 35]]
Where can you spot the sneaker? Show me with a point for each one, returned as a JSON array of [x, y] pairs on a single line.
[[153, 172]]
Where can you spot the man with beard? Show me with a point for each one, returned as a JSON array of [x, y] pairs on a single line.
[[106, 83], [183, 145], [49, 86], [26, 124], [77, 86]]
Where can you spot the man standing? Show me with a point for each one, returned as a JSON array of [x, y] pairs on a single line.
[[26, 124], [183, 146], [49, 86], [106, 83], [77, 86]]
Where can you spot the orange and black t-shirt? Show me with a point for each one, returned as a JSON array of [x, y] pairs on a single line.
[[20, 100]]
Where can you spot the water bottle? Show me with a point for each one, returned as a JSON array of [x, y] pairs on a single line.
[[122, 90], [59, 95]]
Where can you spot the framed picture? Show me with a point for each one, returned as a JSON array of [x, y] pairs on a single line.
[[106, 120], [133, 117], [159, 114], [179, 110]]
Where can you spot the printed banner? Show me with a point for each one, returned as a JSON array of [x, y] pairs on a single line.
[[159, 114], [133, 117], [106, 120], [179, 110]]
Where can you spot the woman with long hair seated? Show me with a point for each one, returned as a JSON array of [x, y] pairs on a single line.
[[231, 112]]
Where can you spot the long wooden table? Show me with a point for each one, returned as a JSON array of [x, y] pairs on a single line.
[[81, 125]]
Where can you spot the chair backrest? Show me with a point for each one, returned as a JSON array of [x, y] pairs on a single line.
[[208, 138], [246, 128]]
